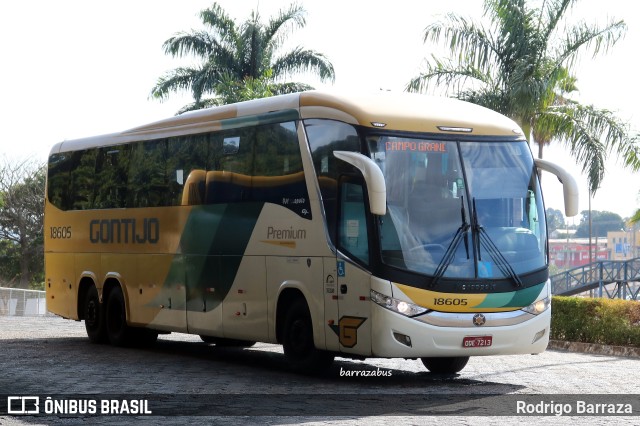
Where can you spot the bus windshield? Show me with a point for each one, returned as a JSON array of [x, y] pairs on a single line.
[[460, 209]]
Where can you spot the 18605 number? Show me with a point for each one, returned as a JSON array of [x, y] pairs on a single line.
[[60, 232], [442, 301]]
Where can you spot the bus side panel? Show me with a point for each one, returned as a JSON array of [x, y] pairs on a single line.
[[204, 295], [145, 290], [245, 307], [61, 286]]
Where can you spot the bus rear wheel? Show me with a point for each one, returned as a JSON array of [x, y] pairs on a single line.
[[445, 365], [94, 321], [299, 349], [118, 331]]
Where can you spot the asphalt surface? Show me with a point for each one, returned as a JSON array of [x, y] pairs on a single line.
[[185, 381]]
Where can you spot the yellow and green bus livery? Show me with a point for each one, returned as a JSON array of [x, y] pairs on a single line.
[[382, 225]]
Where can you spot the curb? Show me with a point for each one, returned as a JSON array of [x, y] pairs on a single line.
[[594, 348]]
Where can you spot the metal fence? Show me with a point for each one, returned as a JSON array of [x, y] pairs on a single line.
[[19, 302]]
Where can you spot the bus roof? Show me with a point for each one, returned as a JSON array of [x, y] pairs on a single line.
[[385, 110]]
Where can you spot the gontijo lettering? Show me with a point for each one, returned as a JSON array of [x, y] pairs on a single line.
[[124, 231]]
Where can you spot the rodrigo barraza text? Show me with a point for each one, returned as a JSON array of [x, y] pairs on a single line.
[[578, 407]]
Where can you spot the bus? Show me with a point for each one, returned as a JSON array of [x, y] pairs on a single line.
[[370, 225]]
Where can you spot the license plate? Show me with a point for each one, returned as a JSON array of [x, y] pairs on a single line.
[[477, 341]]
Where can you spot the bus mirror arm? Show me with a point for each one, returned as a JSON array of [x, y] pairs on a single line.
[[376, 187], [569, 185]]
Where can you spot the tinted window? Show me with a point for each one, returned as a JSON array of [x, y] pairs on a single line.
[[82, 177], [112, 167], [325, 137], [185, 154], [260, 163], [148, 180]]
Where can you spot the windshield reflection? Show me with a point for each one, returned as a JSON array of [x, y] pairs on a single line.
[[434, 188]]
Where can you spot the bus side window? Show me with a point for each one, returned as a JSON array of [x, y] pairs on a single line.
[[184, 155], [326, 136], [147, 186], [81, 179], [353, 221], [58, 177], [278, 175]]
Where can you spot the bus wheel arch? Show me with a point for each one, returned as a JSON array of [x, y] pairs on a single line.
[[295, 332]]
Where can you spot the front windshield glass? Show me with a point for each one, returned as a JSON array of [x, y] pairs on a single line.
[[460, 209]]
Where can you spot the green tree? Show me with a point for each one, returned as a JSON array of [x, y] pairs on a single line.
[[521, 65], [555, 220], [21, 223], [601, 223], [235, 57]]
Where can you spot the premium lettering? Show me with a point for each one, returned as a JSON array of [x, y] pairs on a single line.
[[124, 231], [286, 234]]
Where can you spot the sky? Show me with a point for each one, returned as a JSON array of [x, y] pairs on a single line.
[[76, 68]]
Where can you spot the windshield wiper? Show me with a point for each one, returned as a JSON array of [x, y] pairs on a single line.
[[449, 255], [483, 239]]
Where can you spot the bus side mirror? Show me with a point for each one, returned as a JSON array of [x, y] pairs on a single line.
[[376, 187], [569, 185]]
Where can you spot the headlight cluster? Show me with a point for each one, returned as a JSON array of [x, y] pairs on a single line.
[[538, 306], [399, 306]]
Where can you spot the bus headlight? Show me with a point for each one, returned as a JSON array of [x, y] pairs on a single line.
[[539, 306], [399, 306]]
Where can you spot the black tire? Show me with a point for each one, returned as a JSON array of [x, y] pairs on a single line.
[[94, 321], [118, 331], [445, 365], [299, 349]]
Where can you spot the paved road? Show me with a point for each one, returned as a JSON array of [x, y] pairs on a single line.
[[181, 375]]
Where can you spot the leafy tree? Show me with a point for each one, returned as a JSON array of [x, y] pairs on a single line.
[[21, 223], [521, 65], [601, 223], [235, 57], [555, 220]]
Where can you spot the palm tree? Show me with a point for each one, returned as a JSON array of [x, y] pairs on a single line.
[[520, 65], [235, 55]]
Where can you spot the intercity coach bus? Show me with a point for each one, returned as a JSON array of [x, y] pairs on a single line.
[[382, 225]]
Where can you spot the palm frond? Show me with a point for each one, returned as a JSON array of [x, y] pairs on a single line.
[[217, 19], [173, 81], [300, 59], [590, 134], [470, 40], [583, 36], [275, 33], [445, 73], [196, 43]]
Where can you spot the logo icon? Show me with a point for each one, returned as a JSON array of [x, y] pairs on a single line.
[[479, 320], [23, 405], [347, 330]]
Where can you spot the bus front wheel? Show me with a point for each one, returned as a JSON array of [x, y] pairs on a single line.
[[299, 349], [445, 365], [94, 321]]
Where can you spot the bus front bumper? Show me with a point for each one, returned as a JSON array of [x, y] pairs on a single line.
[[398, 336]]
